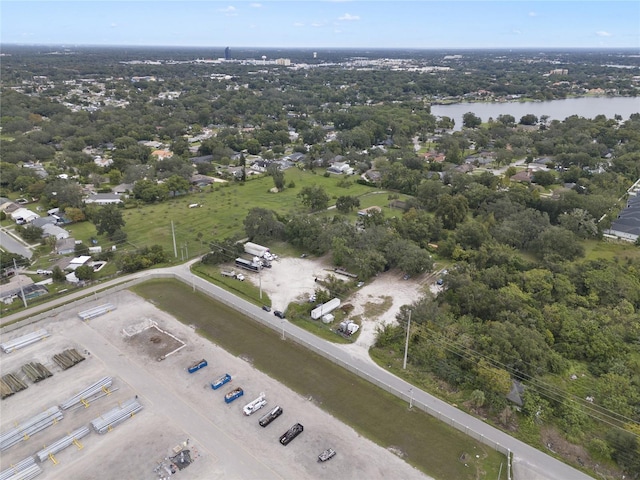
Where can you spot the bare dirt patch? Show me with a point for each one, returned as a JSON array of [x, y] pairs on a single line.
[[155, 343]]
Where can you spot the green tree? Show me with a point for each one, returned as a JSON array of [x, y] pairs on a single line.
[[277, 175], [261, 224], [84, 272], [75, 214], [544, 178], [471, 120], [314, 197], [452, 210], [347, 203], [108, 220], [177, 185], [30, 233], [57, 274]]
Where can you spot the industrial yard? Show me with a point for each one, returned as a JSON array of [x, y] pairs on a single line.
[[181, 423]]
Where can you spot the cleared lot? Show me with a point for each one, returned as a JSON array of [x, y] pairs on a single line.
[[178, 406]]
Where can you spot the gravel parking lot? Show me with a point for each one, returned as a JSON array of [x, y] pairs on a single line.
[[178, 407], [293, 279]]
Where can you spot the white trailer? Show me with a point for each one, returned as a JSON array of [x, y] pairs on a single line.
[[325, 308], [255, 249]]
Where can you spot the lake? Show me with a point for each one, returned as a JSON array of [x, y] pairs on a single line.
[[587, 107]]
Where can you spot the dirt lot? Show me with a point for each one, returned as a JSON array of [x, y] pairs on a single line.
[[181, 407], [293, 279]]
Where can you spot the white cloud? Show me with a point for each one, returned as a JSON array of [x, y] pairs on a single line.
[[533, 14], [298, 24], [255, 5], [113, 25], [316, 24], [516, 32], [602, 33], [347, 17], [229, 9]]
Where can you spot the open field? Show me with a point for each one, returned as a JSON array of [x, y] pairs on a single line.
[[224, 208], [178, 407]]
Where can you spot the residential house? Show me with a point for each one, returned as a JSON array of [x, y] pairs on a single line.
[[341, 168], [260, 165], [373, 176], [296, 157], [23, 215], [7, 206], [524, 176], [51, 230], [42, 221], [434, 157], [66, 246], [78, 262], [103, 199], [123, 188], [201, 180], [162, 154]]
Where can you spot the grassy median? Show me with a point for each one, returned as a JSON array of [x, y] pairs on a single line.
[[428, 444]]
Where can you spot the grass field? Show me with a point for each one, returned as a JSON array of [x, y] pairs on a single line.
[[224, 208], [428, 444]]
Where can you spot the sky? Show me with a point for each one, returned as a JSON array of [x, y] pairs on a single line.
[[417, 24]]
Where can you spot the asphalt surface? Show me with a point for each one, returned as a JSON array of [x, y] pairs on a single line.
[[536, 463], [10, 244]]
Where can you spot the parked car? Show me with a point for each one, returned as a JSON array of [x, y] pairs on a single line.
[[278, 313]]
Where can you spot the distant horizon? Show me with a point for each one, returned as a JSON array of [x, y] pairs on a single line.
[[325, 24], [320, 49]]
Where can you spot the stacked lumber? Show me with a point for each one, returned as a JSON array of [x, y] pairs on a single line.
[[10, 384], [68, 358]]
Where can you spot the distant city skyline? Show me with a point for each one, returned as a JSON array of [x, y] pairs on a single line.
[[415, 24]]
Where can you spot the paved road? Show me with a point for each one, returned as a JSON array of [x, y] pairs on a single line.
[[10, 244], [545, 466]]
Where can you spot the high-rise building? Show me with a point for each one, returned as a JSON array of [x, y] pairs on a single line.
[[227, 54]]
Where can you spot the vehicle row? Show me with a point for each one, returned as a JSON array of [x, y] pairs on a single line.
[[258, 403]]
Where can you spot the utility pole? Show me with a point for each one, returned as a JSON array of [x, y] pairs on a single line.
[[406, 344], [411, 398], [24, 299], [173, 234], [260, 282]]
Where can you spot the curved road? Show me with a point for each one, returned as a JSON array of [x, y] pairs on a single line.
[[536, 463]]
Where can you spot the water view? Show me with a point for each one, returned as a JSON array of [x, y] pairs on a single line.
[[588, 107]]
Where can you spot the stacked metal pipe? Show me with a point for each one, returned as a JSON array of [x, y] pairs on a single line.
[[30, 427], [87, 393], [96, 311], [113, 417], [23, 341], [61, 444], [23, 470]]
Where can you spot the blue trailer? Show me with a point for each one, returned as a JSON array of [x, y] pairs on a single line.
[[233, 394], [226, 378], [197, 366]]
